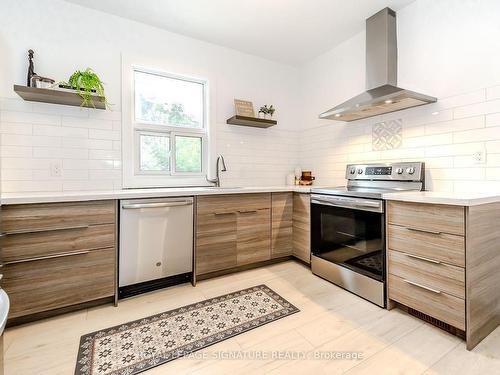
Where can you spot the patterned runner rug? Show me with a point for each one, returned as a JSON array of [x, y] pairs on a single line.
[[137, 346]]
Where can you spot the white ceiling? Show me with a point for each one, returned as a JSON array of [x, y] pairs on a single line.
[[288, 31]]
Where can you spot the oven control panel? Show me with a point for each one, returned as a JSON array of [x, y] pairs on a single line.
[[405, 171]]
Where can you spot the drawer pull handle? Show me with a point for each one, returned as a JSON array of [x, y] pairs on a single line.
[[422, 258], [422, 286], [223, 213], [44, 230], [247, 211], [60, 255], [424, 230]]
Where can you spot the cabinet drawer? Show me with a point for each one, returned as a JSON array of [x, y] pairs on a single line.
[[58, 282], [215, 242], [209, 204], [23, 218], [447, 248], [439, 276], [441, 306], [430, 217], [17, 247]]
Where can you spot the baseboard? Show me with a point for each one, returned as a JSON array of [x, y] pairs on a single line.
[[243, 268]]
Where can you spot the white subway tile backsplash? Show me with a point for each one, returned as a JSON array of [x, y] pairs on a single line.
[[104, 174], [493, 174], [493, 93], [100, 144], [477, 135], [493, 119], [16, 128], [75, 174], [477, 109], [60, 110], [31, 186], [26, 163], [87, 185], [11, 104], [75, 164], [29, 117], [103, 164], [104, 154], [428, 140], [462, 99], [58, 131], [457, 174], [112, 135], [17, 174], [63, 153], [87, 145], [75, 143], [444, 135], [455, 125], [16, 152], [86, 122]]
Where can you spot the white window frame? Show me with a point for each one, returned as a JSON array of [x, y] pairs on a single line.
[[133, 177]]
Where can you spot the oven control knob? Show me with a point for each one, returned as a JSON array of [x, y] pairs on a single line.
[[410, 170], [399, 170], [360, 171], [352, 170]]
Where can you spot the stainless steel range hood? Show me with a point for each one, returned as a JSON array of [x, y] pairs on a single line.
[[382, 94]]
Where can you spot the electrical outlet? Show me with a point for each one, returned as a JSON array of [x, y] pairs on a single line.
[[479, 156], [55, 169]]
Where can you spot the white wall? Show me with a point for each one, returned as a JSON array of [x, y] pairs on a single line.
[[66, 37], [449, 49]]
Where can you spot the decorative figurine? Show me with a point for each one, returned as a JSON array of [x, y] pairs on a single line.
[[31, 68]]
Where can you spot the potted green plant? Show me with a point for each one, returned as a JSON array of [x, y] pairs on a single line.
[[266, 111], [87, 84]]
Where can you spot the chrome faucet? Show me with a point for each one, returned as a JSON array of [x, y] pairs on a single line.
[[216, 180]]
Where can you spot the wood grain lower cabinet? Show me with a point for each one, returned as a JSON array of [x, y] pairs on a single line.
[[253, 236], [41, 285], [232, 230], [58, 255], [282, 224], [302, 226], [215, 241], [443, 261]]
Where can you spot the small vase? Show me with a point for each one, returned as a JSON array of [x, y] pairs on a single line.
[[261, 115]]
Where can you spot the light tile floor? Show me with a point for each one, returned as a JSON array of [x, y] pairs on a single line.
[[331, 320]]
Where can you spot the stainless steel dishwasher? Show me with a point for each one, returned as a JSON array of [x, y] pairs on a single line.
[[156, 244]]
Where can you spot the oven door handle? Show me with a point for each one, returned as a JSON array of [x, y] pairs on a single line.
[[357, 204]]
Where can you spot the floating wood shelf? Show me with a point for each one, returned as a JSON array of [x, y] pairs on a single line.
[[34, 94], [251, 121]]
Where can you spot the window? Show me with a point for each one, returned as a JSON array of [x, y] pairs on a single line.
[[169, 129]]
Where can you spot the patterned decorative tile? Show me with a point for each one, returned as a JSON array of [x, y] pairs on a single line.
[[387, 135], [142, 344]]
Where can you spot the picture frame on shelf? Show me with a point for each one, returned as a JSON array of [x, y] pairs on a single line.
[[244, 108]]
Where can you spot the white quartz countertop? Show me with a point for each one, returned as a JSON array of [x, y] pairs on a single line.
[[22, 198], [437, 197]]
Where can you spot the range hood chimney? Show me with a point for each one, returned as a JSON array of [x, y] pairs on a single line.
[[382, 94]]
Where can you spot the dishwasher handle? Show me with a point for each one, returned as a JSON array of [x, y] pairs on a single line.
[[156, 205]]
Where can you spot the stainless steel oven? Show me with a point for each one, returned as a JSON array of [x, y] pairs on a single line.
[[348, 226], [348, 243]]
